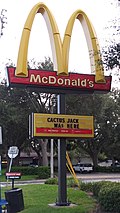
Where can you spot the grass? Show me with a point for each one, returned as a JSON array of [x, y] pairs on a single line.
[[38, 196], [23, 177]]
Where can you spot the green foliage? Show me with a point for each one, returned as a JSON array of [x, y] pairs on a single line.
[[13, 119], [98, 185], [87, 187], [16, 104], [103, 169], [70, 181], [26, 170], [109, 169], [109, 197], [52, 181], [106, 111], [111, 56], [43, 172], [106, 192]]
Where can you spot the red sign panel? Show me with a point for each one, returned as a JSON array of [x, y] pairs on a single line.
[[49, 81], [64, 131], [13, 175]]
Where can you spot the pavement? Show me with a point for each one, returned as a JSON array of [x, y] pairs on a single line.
[[91, 177], [99, 177], [20, 182]]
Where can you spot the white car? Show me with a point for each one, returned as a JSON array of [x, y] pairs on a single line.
[[83, 167]]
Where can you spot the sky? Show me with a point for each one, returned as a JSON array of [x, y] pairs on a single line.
[[99, 12]]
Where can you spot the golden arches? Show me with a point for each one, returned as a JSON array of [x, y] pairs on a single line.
[[54, 35], [92, 43], [60, 51]]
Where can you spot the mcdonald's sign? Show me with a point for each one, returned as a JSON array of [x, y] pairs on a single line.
[[60, 79], [49, 81]]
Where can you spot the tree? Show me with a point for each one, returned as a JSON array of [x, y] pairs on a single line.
[[111, 49], [17, 104], [89, 105], [41, 102], [111, 146], [105, 110], [3, 20], [13, 118], [112, 56]]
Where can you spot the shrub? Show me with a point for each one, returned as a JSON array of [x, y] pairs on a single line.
[[71, 182], [26, 170], [43, 172], [52, 181], [87, 187], [108, 169], [109, 197], [98, 185], [104, 169]]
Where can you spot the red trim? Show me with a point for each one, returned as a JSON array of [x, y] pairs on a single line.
[[62, 131]]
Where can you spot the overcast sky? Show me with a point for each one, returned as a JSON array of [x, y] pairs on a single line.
[[99, 12]]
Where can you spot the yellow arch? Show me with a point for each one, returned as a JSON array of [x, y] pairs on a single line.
[[60, 51], [92, 43], [54, 35]]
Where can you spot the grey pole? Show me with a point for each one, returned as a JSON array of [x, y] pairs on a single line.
[[62, 189], [51, 160]]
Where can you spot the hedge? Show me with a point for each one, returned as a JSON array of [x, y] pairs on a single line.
[[106, 192], [87, 187], [43, 172], [109, 197], [109, 169], [98, 185]]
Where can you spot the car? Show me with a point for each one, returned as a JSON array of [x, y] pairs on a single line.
[[117, 164], [105, 163], [33, 165], [83, 167]]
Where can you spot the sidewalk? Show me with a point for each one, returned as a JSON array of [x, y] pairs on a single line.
[[24, 182], [83, 177]]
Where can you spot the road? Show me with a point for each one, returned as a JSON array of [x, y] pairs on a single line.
[[92, 177]]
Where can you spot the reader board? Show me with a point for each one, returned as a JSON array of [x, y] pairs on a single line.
[[59, 125]]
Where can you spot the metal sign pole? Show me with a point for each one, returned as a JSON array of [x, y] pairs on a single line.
[[0, 165], [62, 189], [0, 187], [11, 160], [51, 160]]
